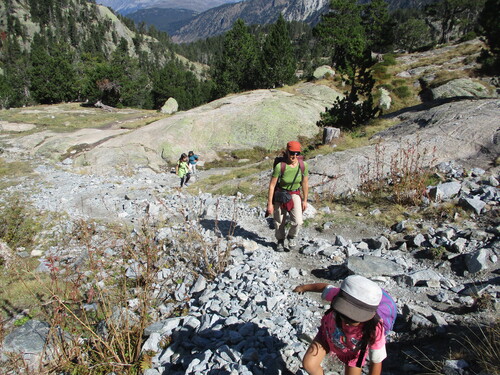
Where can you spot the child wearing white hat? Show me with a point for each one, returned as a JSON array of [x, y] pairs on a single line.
[[349, 327]]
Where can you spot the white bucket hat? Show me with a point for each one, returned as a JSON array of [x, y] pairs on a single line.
[[358, 298]]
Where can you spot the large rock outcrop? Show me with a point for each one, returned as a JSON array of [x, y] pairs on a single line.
[[265, 118], [458, 130]]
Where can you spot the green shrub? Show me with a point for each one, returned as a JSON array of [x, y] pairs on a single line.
[[389, 59], [469, 36], [398, 82], [386, 86], [379, 69], [402, 92]]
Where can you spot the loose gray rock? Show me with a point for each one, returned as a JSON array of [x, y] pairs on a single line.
[[472, 204], [370, 266]]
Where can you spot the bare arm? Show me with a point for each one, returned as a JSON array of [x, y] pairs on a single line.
[[317, 287], [375, 368], [272, 186]]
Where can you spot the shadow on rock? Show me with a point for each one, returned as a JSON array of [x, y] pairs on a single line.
[[243, 348], [225, 228], [333, 272]]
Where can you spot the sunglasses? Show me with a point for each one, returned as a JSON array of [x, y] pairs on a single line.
[[296, 153]]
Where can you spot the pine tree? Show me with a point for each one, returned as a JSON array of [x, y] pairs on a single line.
[[452, 13], [376, 23], [489, 22], [342, 31], [235, 68], [342, 34], [16, 74], [278, 63], [52, 76]]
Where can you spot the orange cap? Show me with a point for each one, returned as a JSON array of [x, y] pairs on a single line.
[[293, 146]]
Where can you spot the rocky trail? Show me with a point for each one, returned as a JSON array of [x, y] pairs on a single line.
[[248, 320]]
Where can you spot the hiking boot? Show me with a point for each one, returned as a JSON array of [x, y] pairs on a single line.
[[280, 247], [292, 244], [186, 185]]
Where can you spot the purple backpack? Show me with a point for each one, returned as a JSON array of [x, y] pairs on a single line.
[[387, 310]]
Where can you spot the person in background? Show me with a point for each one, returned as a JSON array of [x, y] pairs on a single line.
[[294, 179], [182, 170], [193, 159], [349, 327]]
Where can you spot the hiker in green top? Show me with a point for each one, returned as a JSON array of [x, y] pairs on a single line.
[[288, 182], [182, 170]]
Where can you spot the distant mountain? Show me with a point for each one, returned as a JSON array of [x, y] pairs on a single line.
[[126, 7], [219, 20], [164, 19]]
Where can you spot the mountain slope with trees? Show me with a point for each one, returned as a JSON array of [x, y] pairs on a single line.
[[75, 50]]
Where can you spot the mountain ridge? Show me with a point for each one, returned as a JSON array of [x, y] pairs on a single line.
[[218, 20], [129, 6]]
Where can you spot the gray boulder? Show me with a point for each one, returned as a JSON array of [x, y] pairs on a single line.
[[478, 260], [370, 266], [35, 341], [452, 131], [445, 190], [171, 106], [323, 72], [462, 87], [472, 204]]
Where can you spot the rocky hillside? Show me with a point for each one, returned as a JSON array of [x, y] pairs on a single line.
[[247, 320], [220, 298]]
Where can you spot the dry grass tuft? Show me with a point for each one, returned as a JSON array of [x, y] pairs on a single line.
[[483, 345]]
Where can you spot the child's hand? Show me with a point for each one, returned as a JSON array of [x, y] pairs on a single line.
[[299, 289]]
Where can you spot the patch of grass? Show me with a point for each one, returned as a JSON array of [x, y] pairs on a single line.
[[19, 222], [245, 187], [19, 285], [403, 92], [398, 82], [389, 59], [445, 76], [448, 211], [483, 344], [66, 117], [361, 136], [236, 158], [346, 210], [464, 49], [12, 170]]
